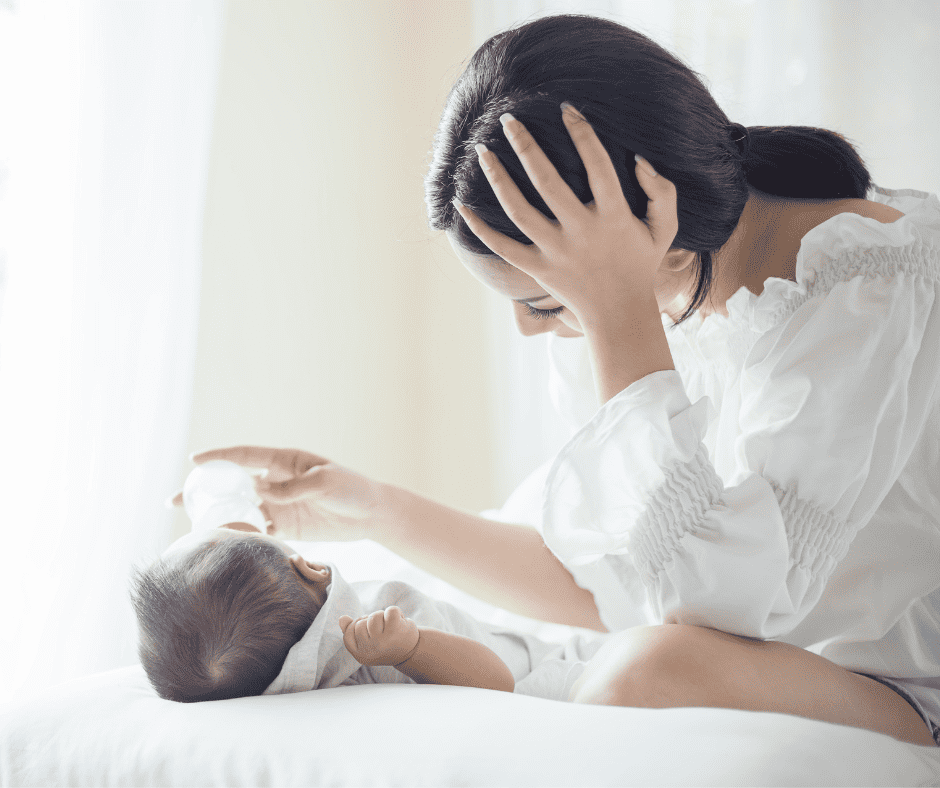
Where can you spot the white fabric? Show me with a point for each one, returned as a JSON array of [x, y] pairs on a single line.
[[783, 481], [319, 660], [112, 729]]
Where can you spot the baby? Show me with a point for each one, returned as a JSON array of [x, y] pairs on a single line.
[[231, 612]]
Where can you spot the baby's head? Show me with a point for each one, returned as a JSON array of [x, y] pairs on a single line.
[[220, 609]]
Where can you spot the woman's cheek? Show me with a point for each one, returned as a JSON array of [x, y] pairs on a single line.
[[568, 325]]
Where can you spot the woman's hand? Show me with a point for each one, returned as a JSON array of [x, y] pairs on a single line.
[[306, 497], [596, 259]]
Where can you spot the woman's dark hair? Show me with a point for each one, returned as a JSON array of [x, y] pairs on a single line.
[[218, 622], [639, 98]]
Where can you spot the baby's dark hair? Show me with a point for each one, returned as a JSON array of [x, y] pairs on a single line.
[[639, 98], [217, 622]]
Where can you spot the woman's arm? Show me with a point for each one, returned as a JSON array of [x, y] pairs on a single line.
[[311, 499], [445, 658], [504, 564]]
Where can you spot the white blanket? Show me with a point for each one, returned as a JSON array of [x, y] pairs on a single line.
[[319, 660]]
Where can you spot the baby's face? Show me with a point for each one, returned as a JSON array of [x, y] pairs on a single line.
[[316, 576]]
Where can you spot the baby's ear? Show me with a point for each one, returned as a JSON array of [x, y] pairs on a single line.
[[308, 570], [321, 569]]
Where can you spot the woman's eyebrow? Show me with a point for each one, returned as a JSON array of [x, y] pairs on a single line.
[[530, 300]]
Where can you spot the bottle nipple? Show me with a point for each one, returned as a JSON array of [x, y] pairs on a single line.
[[219, 492]]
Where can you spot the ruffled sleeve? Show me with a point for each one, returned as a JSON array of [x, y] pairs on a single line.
[[833, 397]]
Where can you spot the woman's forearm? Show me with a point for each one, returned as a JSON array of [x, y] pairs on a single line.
[[506, 565], [627, 345], [445, 658]]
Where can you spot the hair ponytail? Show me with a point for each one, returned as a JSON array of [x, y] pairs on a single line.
[[639, 98], [803, 161]]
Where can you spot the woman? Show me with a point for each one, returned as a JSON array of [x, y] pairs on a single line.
[[749, 499]]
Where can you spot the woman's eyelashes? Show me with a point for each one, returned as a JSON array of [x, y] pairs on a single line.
[[540, 314]]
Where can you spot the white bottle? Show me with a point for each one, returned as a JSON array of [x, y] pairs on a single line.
[[219, 492]]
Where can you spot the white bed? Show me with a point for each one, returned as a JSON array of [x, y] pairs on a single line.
[[111, 729]]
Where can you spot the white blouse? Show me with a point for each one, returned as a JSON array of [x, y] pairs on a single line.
[[783, 482]]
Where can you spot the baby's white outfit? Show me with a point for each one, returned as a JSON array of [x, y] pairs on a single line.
[[783, 482], [319, 660]]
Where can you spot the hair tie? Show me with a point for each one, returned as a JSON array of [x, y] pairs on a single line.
[[741, 137]]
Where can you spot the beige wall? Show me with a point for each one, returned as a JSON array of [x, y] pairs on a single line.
[[331, 318]]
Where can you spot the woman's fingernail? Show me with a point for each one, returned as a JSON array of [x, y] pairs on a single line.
[[480, 148], [457, 203], [645, 164], [511, 126], [565, 106]]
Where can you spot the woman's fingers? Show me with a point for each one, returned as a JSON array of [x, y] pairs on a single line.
[[275, 465], [261, 457], [557, 194], [662, 212], [246, 456], [602, 177], [530, 221], [511, 251], [249, 457], [293, 489]]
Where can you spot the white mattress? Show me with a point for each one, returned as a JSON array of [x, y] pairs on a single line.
[[111, 729]]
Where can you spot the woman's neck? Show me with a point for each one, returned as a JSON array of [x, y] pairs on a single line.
[[764, 244]]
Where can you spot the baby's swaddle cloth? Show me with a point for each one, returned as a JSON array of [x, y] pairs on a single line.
[[319, 660]]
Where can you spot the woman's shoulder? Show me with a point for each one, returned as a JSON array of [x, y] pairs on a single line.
[[812, 220], [828, 242], [870, 210], [843, 241]]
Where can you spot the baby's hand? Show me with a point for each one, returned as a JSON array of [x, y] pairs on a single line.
[[385, 637]]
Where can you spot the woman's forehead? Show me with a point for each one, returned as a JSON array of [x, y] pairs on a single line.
[[496, 274]]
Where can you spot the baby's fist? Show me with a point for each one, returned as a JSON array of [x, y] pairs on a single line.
[[384, 637]]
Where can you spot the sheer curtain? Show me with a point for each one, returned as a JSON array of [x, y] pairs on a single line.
[[864, 68], [107, 111]]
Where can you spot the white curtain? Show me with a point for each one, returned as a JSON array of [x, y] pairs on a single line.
[[865, 68], [106, 116]]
